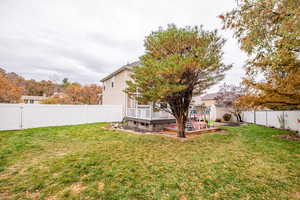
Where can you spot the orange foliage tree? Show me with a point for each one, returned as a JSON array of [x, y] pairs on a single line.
[[269, 32], [75, 94], [9, 91]]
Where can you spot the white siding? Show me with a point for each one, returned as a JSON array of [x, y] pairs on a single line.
[[116, 95]]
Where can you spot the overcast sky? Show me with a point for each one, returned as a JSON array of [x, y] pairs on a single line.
[[85, 40]]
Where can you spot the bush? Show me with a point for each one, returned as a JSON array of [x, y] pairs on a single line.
[[227, 117], [218, 120]]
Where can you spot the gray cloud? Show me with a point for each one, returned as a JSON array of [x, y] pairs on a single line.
[[86, 40]]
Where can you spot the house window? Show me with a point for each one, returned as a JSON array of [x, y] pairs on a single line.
[[31, 101], [113, 82], [25, 101]]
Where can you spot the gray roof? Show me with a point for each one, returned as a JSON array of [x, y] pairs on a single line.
[[211, 96], [128, 67]]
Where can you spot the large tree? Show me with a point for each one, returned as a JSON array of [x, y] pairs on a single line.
[[91, 94], [178, 62], [9, 91], [269, 32], [75, 94]]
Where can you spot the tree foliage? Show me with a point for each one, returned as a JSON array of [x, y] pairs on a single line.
[[76, 94], [269, 32], [65, 83], [10, 92], [39, 88], [178, 62], [13, 86]]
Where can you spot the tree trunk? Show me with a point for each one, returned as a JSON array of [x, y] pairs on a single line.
[[180, 128], [240, 118], [237, 118]]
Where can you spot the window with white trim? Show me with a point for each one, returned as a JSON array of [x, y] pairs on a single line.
[[113, 81]]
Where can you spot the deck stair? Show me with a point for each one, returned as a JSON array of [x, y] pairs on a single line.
[[189, 125]]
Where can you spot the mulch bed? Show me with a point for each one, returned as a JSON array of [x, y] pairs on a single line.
[[288, 137], [193, 134], [189, 134]]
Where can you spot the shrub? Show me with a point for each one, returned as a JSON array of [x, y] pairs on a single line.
[[218, 120], [227, 117]]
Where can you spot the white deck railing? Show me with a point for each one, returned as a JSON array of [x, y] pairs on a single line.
[[146, 112]]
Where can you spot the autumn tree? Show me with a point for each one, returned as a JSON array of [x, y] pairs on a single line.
[[269, 32], [53, 100], [73, 92], [47, 87], [76, 94], [9, 91], [39, 88], [91, 94], [16, 79], [178, 62]]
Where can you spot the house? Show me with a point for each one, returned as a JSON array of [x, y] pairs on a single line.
[[214, 109], [209, 99], [32, 99], [114, 85], [137, 115]]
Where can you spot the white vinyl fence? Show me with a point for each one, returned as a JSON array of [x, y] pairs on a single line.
[[278, 119], [21, 116]]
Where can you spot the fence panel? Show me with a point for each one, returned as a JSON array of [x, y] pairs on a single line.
[[278, 119], [10, 117], [52, 115], [275, 119], [292, 120], [248, 116], [17, 116], [260, 118], [107, 113]]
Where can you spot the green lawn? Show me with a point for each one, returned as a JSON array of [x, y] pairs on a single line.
[[88, 162]]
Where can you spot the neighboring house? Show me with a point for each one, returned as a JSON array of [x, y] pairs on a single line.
[[137, 115], [209, 99], [32, 99], [216, 111]]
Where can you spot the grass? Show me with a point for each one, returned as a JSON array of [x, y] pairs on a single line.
[[88, 162]]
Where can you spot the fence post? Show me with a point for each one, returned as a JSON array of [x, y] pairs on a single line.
[[266, 118], [21, 117], [86, 114], [254, 117], [283, 119]]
